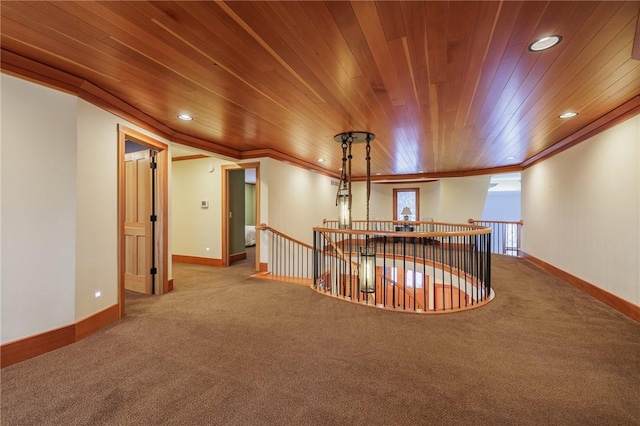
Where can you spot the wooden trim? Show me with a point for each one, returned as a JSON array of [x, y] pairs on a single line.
[[616, 302], [165, 221], [607, 121], [257, 204], [404, 182], [35, 72], [30, 347], [395, 201], [509, 222], [237, 257], [287, 158], [226, 261], [306, 282], [121, 219], [265, 227], [189, 157], [263, 267], [170, 285], [195, 260], [142, 138], [97, 321], [420, 177]]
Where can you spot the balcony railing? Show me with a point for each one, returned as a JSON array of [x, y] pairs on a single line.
[[505, 235], [426, 267], [419, 266], [289, 259]]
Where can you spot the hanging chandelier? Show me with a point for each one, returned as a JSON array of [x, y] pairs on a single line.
[[343, 198], [367, 264]]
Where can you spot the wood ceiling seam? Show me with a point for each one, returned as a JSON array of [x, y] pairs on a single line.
[[222, 66], [265, 45]]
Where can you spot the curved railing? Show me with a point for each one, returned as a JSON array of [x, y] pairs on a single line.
[[427, 267]]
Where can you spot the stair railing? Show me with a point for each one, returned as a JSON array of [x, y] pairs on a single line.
[[506, 235], [288, 257]]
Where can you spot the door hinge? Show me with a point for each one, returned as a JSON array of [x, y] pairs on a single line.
[[153, 165], [153, 271], [154, 218]]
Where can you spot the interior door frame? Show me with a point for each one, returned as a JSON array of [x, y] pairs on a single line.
[[225, 209], [161, 285]]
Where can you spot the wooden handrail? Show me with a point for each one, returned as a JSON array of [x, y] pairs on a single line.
[[265, 227], [339, 251], [519, 222], [477, 230]]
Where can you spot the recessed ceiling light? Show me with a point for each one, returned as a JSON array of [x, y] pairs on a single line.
[[511, 158], [545, 43], [185, 117], [568, 114], [320, 160]]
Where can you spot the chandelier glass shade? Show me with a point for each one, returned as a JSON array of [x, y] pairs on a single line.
[[367, 275]]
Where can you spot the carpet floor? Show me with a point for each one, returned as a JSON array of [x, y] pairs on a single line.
[[227, 349]]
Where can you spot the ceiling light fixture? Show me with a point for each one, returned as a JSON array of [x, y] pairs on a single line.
[[343, 198], [568, 114], [511, 158], [320, 160], [545, 43], [367, 265], [185, 117]]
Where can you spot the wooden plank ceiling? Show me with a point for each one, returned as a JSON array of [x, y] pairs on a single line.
[[445, 86]]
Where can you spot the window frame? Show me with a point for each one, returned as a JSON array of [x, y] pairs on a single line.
[[416, 214]]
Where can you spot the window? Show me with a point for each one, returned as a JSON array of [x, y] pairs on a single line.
[[406, 197]]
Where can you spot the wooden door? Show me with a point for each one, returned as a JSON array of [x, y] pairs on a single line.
[[138, 241]]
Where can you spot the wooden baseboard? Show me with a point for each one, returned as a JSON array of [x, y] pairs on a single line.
[[264, 267], [237, 257], [194, 260], [616, 302], [170, 285], [30, 347], [95, 322]]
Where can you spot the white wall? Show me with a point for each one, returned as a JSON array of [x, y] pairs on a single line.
[[581, 210], [381, 203], [38, 208], [59, 208], [502, 205], [97, 214], [196, 229], [298, 199], [462, 198]]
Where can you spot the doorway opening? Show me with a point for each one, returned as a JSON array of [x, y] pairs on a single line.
[[142, 215], [240, 187]]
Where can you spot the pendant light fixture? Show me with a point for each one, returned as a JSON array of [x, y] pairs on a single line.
[[367, 264]]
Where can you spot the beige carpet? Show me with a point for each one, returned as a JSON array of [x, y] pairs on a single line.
[[227, 349]]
